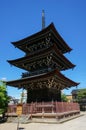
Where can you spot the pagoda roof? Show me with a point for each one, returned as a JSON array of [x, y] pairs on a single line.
[[28, 58], [20, 83], [21, 44]]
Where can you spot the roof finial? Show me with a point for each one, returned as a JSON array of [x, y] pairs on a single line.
[[43, 19]]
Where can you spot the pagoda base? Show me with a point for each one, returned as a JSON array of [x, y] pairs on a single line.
[[47, 112]]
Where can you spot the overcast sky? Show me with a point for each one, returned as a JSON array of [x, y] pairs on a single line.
[[22, 18]]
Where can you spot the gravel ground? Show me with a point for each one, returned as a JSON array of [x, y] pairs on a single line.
[[75, 124]]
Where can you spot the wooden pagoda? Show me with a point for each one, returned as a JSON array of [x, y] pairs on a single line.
[[43, 61]]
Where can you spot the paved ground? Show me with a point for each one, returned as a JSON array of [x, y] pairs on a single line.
[[75, 124]]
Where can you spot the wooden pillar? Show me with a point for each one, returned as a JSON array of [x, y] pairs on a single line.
[[56, 109], [43, 110], [52, 107], [59, 96]]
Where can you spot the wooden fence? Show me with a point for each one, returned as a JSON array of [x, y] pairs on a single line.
[[45, 107]]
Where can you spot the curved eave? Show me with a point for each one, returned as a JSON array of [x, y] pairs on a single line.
[[32, 37], [63, 57], [35, 36], [65, 61], [64, 44], [23, 81]]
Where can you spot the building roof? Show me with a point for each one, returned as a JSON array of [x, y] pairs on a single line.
[[20, 83], [57, 49], [21, 44], [24, 61]]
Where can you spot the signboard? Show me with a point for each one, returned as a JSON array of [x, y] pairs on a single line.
[[19, 109]]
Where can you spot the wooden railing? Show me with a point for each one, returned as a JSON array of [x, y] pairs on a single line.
[[45, 107]]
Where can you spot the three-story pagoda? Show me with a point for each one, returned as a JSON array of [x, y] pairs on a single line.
[[44, 61]]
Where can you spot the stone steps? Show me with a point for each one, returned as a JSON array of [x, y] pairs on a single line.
[[20, 119]]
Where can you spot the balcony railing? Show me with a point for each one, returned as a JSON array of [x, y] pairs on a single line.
[[45, 107]]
